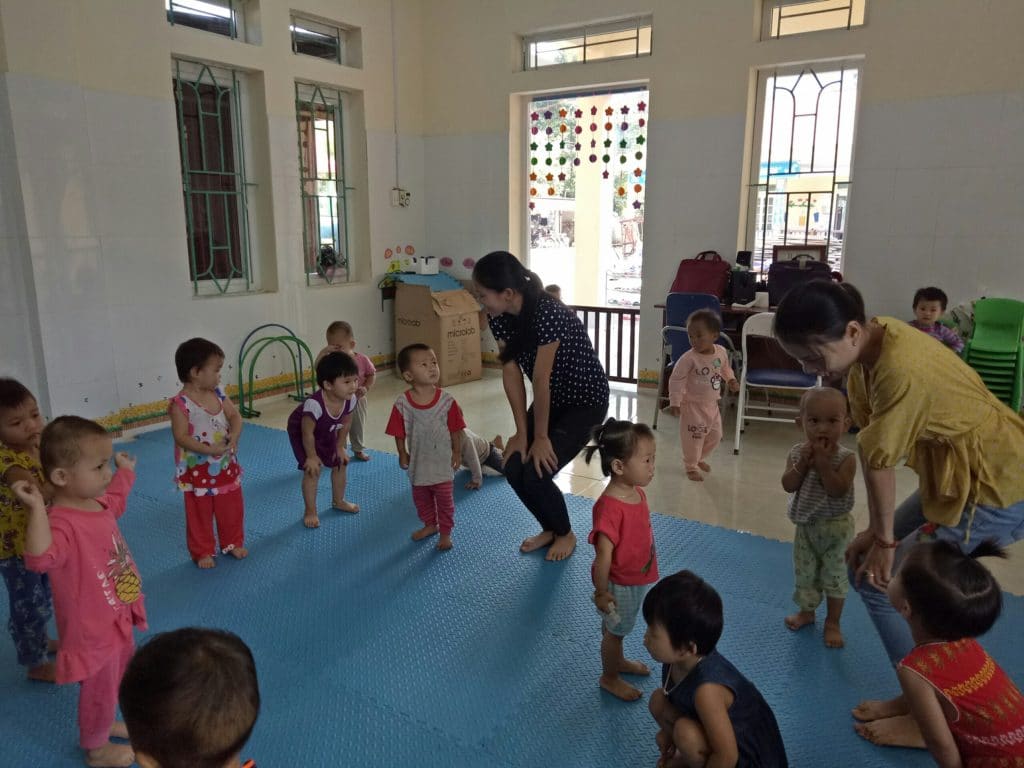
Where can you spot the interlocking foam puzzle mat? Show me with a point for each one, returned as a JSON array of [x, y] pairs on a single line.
[[374, 650]]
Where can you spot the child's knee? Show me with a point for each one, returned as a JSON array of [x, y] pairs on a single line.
[[656, 704], [691, 742]]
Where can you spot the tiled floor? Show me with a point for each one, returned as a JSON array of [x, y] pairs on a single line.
[[742, 492]]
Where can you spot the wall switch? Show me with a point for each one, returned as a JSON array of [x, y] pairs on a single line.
[[396, 197]]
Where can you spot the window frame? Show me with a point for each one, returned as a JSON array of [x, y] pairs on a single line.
[[340, 35], [636, 24], [768, 6], [236, 18]]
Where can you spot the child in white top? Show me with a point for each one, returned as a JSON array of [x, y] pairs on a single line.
[[427, 425], [340, 338], [694, 389]]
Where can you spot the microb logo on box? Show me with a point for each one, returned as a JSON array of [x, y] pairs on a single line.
[[408, 321], [456, 332]]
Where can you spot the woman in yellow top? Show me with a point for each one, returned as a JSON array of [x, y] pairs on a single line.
[[916, 403]]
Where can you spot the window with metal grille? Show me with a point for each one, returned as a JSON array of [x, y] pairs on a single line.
[[803, 146], [320, 117], [625, 38], [324, 41], [218, 16], [208, 101], [780, 18]]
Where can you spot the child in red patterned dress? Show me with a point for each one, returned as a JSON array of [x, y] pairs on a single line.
[[967, 710]]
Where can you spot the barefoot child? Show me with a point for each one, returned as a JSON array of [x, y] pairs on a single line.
[[97, 592], [819, 478], [709, 714], [31, 604], [960, 704], [427, 425], [478, 453], [206, 425], [625, 561], [694, 389], [190, 698], [341, 339], [317, 430]]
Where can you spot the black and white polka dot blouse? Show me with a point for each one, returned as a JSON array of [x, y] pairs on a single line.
[[577, 378]]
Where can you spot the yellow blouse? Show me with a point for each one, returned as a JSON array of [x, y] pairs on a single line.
[[12, 516], [923, 404]]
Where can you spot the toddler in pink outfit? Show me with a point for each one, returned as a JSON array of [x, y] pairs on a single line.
[[694, 389], [97, 592]]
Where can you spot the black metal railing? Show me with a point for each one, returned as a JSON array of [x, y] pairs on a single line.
[[615, 333]]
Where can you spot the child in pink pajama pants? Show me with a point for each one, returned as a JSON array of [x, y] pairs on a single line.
[[694, 389]]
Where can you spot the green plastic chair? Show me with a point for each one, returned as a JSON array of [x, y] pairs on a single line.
[[998, 327]]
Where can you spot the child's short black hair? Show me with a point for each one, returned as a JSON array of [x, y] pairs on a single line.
[[706, 317], [193, 354], [333, 365], [339, 326], [12, 394], [553, 288], [60, 443], [615, 440], [931, 294], [688, 608], [405, 356], [951, 593], [190, 698]]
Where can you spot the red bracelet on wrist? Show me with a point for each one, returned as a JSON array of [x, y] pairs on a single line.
[[880, 542]]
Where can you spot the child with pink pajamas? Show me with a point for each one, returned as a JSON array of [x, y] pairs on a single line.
[[694, 389]]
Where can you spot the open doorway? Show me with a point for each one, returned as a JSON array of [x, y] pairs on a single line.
[[587, 186]]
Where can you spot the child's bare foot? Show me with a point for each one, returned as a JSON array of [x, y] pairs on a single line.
[[638, 668], [616, 686], [561, 547], [542, 539], [694, 474], [345, 506], [445, 542], [362, 455], [311, 519], [52, 645], [833, 635], [899, 731], [800, 620], [119, 730], [43, 673], [239, 553], [425, 532], [704, 466], [110, 756], [666, 749], [498, 443], [873, 709], [205, 562]]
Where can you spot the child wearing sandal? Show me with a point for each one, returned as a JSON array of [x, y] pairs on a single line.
[[819, 478], [958, 701], [340, 338], [625, 562], [317, 430]]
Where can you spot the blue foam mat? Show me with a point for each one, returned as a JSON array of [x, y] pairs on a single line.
[[374, 650]]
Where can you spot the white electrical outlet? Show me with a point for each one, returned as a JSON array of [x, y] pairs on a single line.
[[404, 198]]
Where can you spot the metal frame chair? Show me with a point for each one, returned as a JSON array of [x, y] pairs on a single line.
[[766, 379]]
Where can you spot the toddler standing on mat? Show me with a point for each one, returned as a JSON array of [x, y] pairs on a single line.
[[97, 591], [317, 429], [206, 425], [31, 604], [819, 478], [694, 389], [625, 561], [341, 339], [427, 425]]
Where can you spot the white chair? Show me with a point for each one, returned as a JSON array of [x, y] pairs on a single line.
[[766, 379]]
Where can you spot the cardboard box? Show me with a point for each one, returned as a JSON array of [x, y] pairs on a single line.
[[447, 321]]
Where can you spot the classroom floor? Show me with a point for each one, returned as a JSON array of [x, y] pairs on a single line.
[[741, 493]]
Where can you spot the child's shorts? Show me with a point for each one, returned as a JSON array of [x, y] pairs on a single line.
[[628, 600]]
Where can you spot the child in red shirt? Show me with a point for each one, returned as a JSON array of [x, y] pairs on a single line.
[[97, 593], [625, 562]]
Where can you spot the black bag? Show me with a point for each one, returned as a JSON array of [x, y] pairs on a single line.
[[741, 287], [783, 275]]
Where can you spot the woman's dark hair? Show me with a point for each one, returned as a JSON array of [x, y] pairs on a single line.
[[193, 354], [706, 317], [817, 310], [190, 698], [499, 270], [12, 394], [688, 608], [615, 440], [333, 365], [952, 594]]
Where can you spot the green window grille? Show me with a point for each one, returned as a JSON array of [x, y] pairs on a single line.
[[322, 184], [217, 16], [213, 177]]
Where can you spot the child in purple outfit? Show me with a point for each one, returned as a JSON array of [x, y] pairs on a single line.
[[318, 429], [929, 304]]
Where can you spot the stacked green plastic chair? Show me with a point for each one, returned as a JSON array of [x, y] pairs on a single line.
[[995, 349]]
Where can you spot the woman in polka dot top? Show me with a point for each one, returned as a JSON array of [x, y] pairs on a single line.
[[539, 336]]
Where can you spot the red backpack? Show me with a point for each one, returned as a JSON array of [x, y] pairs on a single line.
[[707, 273]]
